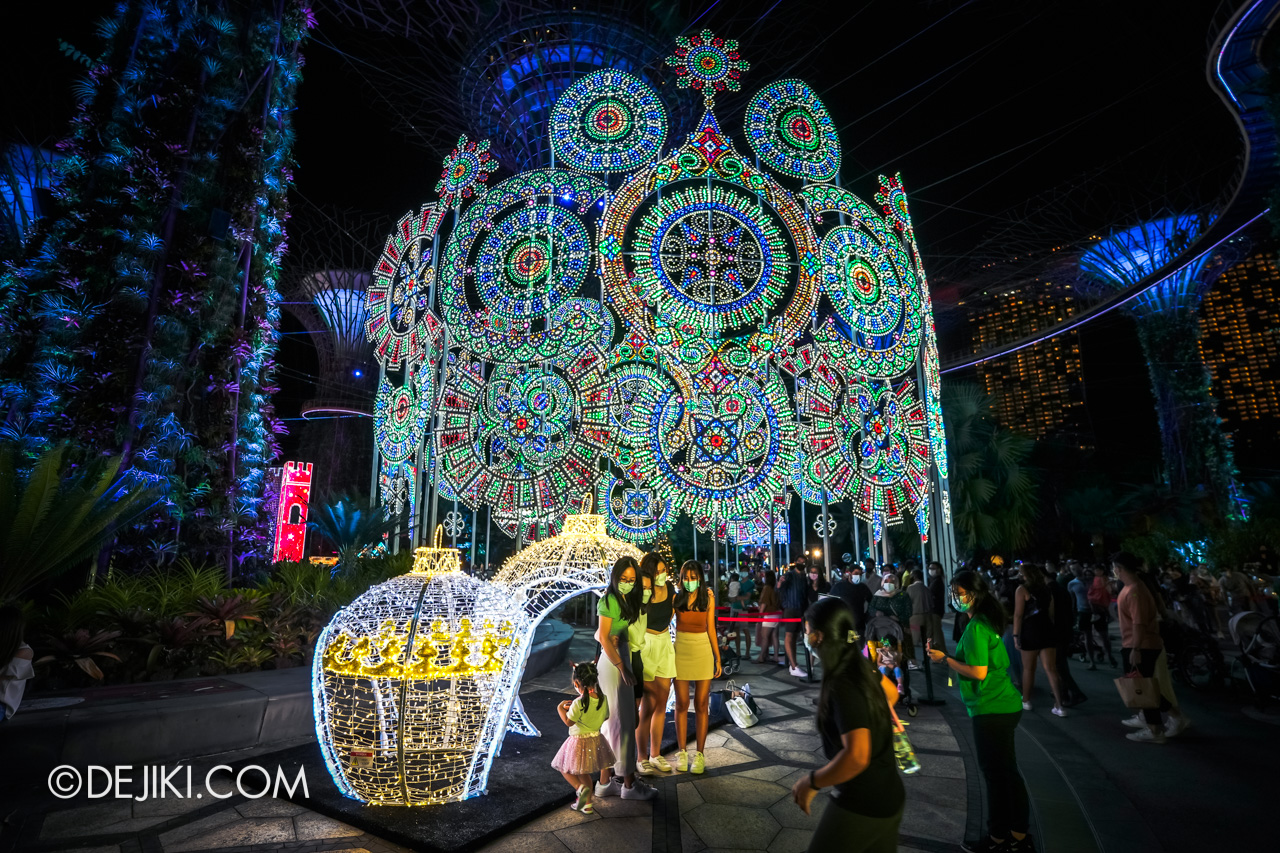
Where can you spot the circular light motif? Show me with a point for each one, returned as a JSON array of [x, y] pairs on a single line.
[[400, 322], [609, 121], [515, 261], [888, 436], [791, 131], [468, 166], [708, 64], [633, 513], [400, 417], [723, 452], [533, 260], [708, 259], [525, 441]]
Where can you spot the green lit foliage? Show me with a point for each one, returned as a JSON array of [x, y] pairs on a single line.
[[57, 516]]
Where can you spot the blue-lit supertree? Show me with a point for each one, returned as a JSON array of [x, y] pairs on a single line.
[[1196, 451]]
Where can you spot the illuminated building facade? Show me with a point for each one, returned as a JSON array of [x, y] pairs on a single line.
[[1240, 345], [1038, 390], [291, 513]]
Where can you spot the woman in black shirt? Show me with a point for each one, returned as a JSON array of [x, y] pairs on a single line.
[[857, 738]]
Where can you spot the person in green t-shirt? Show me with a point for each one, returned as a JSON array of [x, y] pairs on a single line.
[[995, 707]]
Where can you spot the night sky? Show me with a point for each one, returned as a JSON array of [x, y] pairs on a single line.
[[986, 107]]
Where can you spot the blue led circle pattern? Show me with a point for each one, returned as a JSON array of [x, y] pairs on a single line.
[[723, 452], [791, 131], [715, 259], [609, 121], [633, 512], [513, 267], [533, 260]]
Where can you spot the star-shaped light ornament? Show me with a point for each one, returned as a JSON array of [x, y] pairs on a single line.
[[469, 165]]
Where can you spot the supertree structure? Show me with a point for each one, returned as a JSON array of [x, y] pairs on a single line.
[[1196, 451], [143, 320], [674, 331]]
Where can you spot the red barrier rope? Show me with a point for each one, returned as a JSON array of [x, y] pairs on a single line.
[[754, 619]]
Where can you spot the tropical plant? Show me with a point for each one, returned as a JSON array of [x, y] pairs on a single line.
[[58, 517], [350, 524], [993, 494], [231, 610], [79, 648]]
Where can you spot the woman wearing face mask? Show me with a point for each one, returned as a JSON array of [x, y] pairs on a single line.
[[995, 707], [659, 664], [697, 661], [618, 608], [867, 795], [890, 599]]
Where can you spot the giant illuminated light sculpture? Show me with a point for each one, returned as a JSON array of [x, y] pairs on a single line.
[[667, 330]]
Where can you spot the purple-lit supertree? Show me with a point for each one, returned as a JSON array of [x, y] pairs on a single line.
[[1197, 453]]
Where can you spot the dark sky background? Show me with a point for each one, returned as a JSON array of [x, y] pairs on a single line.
[[1088, 107]]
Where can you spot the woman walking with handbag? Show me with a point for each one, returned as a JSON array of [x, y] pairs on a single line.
[[1141, 647], [855, 722], [994, 707]]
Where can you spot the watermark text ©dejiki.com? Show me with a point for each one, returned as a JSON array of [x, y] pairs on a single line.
[[183, 782]]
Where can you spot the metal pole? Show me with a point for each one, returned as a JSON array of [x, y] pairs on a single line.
[[377, 453]]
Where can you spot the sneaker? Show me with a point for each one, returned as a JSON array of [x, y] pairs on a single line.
[[912, 665], [986, 845], [798, 672], [584, 798], [1155, 735], [589, 808], [1025, 845], [659, 763], [782, 661], [1026, 706], [682, 761], [613, 789], [699, 763], [639, 790], [645, 768], [1058, 711], [1134, 722], [1176, 724]]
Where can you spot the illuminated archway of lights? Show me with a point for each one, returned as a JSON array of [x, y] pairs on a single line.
[[664, 331]]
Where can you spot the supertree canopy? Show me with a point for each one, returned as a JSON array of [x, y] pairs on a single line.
[[1196, 451], [669, 324]]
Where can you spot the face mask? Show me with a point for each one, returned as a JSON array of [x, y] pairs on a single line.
[[625, 587], [813, 576], [888, 587], [660, 580], [691, 586], [648, 593], [857, 578], [958, 605], [933, 573]]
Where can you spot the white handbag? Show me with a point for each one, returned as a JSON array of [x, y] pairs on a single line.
[[741, 713]]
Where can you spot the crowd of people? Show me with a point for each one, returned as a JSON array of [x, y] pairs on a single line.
[[1009, 623]]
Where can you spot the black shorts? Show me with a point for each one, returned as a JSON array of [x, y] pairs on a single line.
[[792, 627]]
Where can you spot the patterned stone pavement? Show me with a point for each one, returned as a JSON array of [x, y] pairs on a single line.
[[743, 801]]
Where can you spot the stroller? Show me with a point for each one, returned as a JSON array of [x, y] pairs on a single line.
[[1258, 636], [878, 627], [730, 660]]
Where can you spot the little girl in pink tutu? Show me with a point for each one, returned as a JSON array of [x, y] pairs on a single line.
[[585, 752]]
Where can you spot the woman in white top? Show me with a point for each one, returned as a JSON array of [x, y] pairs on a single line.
[[15, 661]]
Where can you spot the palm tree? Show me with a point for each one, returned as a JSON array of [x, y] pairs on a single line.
[[56, 517], [993, 496], [349, 524]]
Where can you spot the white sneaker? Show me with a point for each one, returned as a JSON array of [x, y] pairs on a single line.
[[798, 672], [912, 665], [1155, 735], [644, 768], [613, 789], [1058, 711], [639, 790], [1134, 722], [1176, 724], [1026, 706], [682, 761]]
